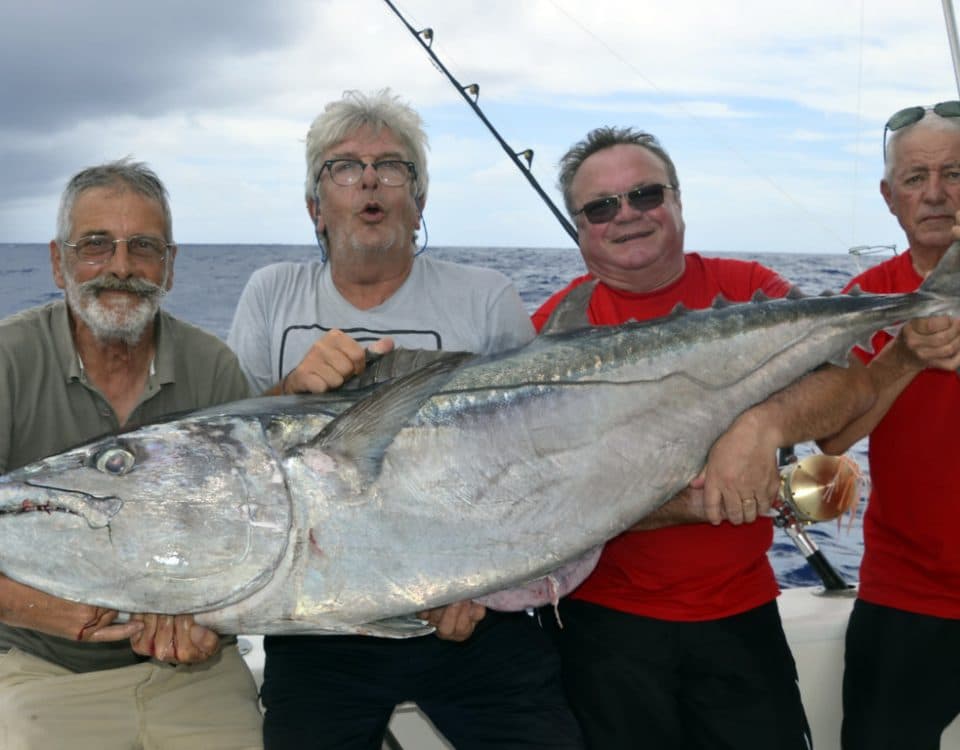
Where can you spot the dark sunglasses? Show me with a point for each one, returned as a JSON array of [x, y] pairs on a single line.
[[912, 115], [643, 198]]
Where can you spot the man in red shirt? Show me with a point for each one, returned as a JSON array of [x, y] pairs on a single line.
[[675, 641], [901, 684]]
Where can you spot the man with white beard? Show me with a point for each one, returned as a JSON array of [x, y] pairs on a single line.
[[103, 359]]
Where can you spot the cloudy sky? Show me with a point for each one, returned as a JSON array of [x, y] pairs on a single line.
[[773, 110]]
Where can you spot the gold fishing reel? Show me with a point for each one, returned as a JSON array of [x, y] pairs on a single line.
[[819, 488]]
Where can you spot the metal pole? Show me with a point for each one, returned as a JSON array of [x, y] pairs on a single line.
[[951, 23]]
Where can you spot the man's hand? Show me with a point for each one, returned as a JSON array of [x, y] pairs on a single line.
[[331, 361], [455, 622], [935, 342], [741, 479], [174, 639]]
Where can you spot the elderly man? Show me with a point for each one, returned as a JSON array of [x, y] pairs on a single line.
[[900, 685], [103, 359], [365, 190], [675, 641]]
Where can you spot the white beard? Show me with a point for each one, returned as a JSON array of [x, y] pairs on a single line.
[[125, 322]]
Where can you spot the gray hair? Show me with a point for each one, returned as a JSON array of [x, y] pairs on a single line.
[[607, 137], [378, 110], [930, 121], [123, 173]]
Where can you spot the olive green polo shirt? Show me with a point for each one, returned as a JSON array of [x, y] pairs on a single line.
[[47, 405]]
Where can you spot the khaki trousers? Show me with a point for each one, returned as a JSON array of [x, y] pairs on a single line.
[[147, 706]]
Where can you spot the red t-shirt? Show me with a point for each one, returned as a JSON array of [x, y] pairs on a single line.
[[694, 571], [911, 557]]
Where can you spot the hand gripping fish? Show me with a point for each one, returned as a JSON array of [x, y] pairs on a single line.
[[348, 513]]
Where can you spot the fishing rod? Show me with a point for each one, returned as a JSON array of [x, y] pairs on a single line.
[[951, 23], [470, 94]]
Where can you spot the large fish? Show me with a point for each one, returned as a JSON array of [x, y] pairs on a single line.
[[462, 479]]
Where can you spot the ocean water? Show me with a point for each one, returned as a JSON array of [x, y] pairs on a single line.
[[209, 278]]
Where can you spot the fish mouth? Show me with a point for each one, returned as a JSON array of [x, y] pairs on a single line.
[[96, 511]]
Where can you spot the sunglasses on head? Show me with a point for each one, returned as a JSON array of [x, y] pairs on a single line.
[[643, 198], [912, 115]]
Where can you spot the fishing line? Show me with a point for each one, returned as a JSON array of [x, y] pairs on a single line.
[[856, 145], [707, 125]]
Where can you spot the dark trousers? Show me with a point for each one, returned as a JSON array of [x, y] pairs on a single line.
[[901, 682], [636, 682], [499, 689]]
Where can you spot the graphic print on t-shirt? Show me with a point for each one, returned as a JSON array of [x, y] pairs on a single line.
[[297, 340]]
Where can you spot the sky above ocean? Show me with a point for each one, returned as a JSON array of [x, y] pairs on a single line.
[[773, 111]]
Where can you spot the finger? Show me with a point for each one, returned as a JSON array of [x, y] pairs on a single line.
[[335, 361], [749, 506], [713, 505], [381, 346], [344, 353], [699, 481], [765, 503], [456, 624], [163, 641], [733, 506], [122, 632], [317, 377], [142, 642], [204, 640]]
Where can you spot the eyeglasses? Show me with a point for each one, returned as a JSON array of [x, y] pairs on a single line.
[[913, 115], [643, 198], [99, 248], [390, 172]]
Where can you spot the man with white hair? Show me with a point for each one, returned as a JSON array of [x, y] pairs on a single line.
[[104, 359], [900, 684], [491, 679]]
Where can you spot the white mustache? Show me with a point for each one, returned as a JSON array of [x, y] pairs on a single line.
[[140, 287]]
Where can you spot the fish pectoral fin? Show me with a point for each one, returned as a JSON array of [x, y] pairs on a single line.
[[364, 431], [407, 626]]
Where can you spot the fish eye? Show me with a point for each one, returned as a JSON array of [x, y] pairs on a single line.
[[114, 460]]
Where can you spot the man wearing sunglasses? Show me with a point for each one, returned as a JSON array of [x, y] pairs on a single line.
[[900, 686], [106, 358], [675, 641], [492, 679]]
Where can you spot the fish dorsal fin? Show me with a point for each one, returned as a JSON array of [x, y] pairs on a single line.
[[945, 278], [365, 430], [678, 310], [760, 296], [720, 302], [570, 313], [795, 293]]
